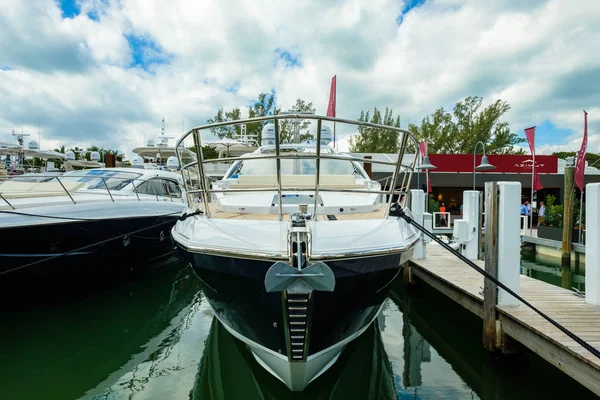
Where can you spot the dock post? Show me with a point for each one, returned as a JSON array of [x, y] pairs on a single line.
[[490, 290], [417, 208], [509, 242], [592, 236], [568, 216], [502, 225], [470, 214]]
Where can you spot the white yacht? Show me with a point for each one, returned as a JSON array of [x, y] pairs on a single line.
[[54, 216], [297, 246]]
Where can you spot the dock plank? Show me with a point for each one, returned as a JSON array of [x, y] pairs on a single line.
[[464, 285]]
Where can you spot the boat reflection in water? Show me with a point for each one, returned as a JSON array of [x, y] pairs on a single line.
[[229, 371], [62, 349]]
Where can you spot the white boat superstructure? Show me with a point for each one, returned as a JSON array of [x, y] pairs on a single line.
[[297, 245], [45, 218]]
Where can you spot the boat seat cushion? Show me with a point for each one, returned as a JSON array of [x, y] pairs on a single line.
[[19, 190], [297, 181]]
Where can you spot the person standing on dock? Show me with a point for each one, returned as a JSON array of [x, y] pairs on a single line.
[[541, 212], [443, 214]]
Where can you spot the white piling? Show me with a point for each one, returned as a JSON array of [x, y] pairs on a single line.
[[417, 208], [592, 241], [509, 241], [471, 215]]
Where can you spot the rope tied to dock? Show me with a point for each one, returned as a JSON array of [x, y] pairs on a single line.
[[183, 217], [399, 212]]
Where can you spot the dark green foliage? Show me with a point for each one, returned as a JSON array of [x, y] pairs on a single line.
[[374, 140], [459, 131], [208, 152]]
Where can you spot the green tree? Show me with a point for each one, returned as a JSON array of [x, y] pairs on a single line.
[[287, 126], [375, 140], [468, 124], [77, 150], [225, 116], [208, 152], [61, 149], [591, 158], [260, 108]]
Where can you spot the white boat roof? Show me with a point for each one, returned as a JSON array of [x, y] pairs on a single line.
[[165, 152]]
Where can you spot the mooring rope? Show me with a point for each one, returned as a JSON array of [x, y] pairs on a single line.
[[400, 213], [183, 217]]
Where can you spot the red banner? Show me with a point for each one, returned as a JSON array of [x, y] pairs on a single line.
[[530, 135], [504, 163], [331, 106], [580, 163]]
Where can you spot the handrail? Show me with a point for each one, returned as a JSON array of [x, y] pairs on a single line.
[[107, 189], [400, 168], [128, 180], [66, 191]]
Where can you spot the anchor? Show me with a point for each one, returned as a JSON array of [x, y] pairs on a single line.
[[282, 276], [299, 276]]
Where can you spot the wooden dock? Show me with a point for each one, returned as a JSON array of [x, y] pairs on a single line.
[[449, 275]]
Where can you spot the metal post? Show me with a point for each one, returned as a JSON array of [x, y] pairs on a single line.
[[107, 189], [278, 163], [10, 205], [318, 161], [200, 157], [66, 191], [397, 170], [580, 216], [135, 189]]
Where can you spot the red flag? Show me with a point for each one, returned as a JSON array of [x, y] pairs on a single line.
[[331, 106], [530, 135], [423, 151], [537, 185], [580, 163]]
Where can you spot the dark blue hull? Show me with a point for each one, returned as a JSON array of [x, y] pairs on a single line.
[[236, 290], [20, 246]]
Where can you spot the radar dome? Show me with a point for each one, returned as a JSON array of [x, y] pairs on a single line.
[[70, 156], [150, 143], [95, 156], [33, 145], [268, 134], [172, 163], [137, 162], [325, 135]]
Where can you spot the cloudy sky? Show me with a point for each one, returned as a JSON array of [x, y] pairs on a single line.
[[106, 71]]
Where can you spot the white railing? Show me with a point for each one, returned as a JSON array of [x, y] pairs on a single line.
[[441, 220], [37, 187], [399, 194]]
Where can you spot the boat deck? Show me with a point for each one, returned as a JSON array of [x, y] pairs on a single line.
[[220, 214]]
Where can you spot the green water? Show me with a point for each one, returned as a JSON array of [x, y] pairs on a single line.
[[156, 338], [549, 269]]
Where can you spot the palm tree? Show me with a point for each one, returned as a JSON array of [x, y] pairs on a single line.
[[95, 148], [61, 149], [77, 150]]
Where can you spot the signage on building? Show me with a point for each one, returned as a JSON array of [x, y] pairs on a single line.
[[503, 163]]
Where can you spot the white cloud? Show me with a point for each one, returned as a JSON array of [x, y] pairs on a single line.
[[76, 75]]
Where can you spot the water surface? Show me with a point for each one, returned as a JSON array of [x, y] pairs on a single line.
[[156, 338]]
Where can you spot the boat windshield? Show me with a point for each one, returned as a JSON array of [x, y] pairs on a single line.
[[115, 180], [308, 166]]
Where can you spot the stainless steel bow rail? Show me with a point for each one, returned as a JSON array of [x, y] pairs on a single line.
[[404, 138], [95, 179]]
